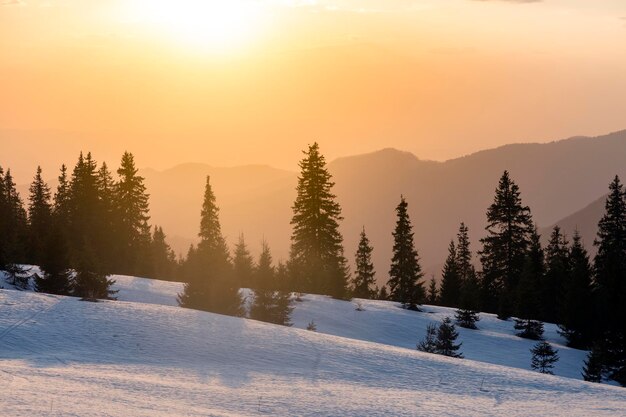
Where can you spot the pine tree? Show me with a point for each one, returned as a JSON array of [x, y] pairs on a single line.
[[209, 279], [162, 256], [112, 253], [243, 265], [429, 343], [269, 304], [363, 280], [60, 207], [446, 336], [132, 208], [451, 281], [317, 262], [405, 272], [610, 282], [557, 270], [55, 264], [39, 218], [509, 226], [576, 308], [468, 313], [13, 231], [528, 307], [593, 368], [433, 292], [544, 357], [383, 294]]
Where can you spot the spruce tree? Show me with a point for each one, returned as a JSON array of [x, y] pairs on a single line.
[[363, 280], [543, 358], [317, 261], [132, 208], [243, 265], [162, 256], [576, 309], [446, 336], [429, 343], [4, 248], [269, 304], [467, 315], [405, 272], [39, 218], [112, 252], [528, 304], [451, 281], [383, 293], [593, 368], [60, 207], [13, 232], [557, 270], [610, 282], [509, 227], [209, 282], [57, 277], [432, 297]]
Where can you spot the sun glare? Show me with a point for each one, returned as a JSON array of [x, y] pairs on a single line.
[[211, 25]]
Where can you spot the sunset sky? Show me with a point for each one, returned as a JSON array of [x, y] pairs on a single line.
[[238, 82]]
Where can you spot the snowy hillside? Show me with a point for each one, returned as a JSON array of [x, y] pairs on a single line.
[[62, 356], [384, 322]]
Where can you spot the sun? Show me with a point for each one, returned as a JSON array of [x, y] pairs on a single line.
[[212, 25]]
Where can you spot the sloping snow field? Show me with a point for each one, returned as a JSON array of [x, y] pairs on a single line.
[[62, 356]]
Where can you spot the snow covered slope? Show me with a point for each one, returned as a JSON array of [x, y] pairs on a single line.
[[62, 356], [385, 322]]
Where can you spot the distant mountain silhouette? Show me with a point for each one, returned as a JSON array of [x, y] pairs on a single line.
[[555, 179]]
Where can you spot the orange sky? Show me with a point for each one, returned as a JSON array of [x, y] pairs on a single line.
[[180, 81]]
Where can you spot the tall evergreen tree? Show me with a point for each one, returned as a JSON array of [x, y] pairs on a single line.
[[269, 304], [593, 368], [451, 281], [112, 253], [467, 315], [60, 207], [39, 218], [610, 282], [432, 297], [405, 272], [209, 282], [56, 275], [243, 265], [132, 208], [162, 257], [576, 309], [557, 270], [363, 281], [528, 303], [509, 227], [317, 262], [13, 228]]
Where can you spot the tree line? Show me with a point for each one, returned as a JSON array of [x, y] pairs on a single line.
[[95, 225]]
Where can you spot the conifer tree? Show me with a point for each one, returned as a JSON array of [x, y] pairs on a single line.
[[383, 294], [56, 275], [209, 283], [317, 261], [528, 307], [429, 343], [243, 265], [451, 281], [112, 253], [610, 282], [544, 357], [13, 231], [405, 272], [39, 217], [509, 226], [132, 208], [433, 292], [162, 256], [269, 304], [593, 368], [446, 336], [60, 207], [467, 315], [576, 309], [557, 269], [363, 280]]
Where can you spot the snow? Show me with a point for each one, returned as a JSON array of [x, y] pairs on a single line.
[[142, 355]]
